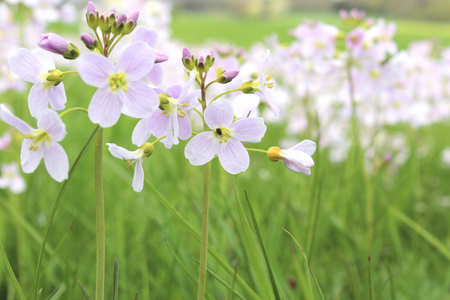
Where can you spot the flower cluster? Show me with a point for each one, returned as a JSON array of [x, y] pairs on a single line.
[[131, 83]]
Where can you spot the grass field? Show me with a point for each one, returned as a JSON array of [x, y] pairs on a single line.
[[341, 215]]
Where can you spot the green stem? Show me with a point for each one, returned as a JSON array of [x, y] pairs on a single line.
[[99, 219], [69, 72], [257, 150], [114, 44], [55, 207], [224, 93], [11, 274], [71, 110]]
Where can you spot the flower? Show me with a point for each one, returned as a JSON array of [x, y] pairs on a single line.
[[120, 86], [132, 157], [11, 178], [265, 86], [170, 119], [5, 140], [297, 158], [41, 143], [35, 66], [53, 43], [225, 138]]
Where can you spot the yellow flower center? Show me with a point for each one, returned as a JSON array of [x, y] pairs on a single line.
[[168, 105], [118, 81], [40, 137], [222, 133]]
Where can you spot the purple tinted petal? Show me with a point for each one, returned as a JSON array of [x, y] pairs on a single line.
[[138, 179], [248, 129], [185, 128], [191, 100], [141, 133], [37, 99], [233, 156], [12, 120], [50, 122], [26, 65], [192, 77], [56, 162], [272, 102], [244, 104], [176, 130], [30, 159], [219, 114], [94, 69], [136, 60], [159, 123], [201, 148], [155, 75], [105, 107], [141, 100], [45, 59], [297, 168], [175, 91], [146, 35], [307, 146], [57, 96], [121, 153]]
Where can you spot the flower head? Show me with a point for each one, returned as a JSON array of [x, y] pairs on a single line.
[[297, 158], [120, 86], [265, 86], [41, 143], [225, 138], [11, 178], [35, 66], [144, 151]]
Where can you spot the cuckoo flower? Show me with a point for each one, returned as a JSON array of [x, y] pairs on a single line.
[[34, 66], [133, 157], [170, 119], [265, 86], [120, 86], [41, 143], [225, 138], [297, 158], [10, 178]]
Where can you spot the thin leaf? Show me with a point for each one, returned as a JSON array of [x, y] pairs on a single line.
[[115, 285], [56, 294], [137, 296], [84, 292], [317, 285], [230, 294], [253, 252], [261, 245], [11, 273], [370, 280]]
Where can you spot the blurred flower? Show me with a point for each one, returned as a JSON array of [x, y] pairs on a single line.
[[11, 178], [297, 158]]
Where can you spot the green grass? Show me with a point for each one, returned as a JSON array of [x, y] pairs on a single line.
[[408, 240]]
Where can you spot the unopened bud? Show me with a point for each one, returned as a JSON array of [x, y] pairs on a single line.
[[55, 75], [210, 59], [187, 59], [88, 40], [227, 76], [274, 153], [159, 58], [147, 149], [131, 23], [247, 87], [53, 43], [119, 24], [201, 65], [91, 16], [103, 23]]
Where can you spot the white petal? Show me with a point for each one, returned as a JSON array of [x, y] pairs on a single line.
[[247, 130], [26, 65], [30, 159], [37, 99], [141, 100], [57, 96], [233, 156], [155, 75], [141, 133], [159, 123], [50, 122], [12, 120], [244, 104], [94, 69], [297, 157], [219, 114], [145, 34], [136, 60], [121, 153], [45, 59], [185, 128], [297, 168], [307, 146], [105, 107], [201, 148], [56, 162], [138, 179], [192, 77]]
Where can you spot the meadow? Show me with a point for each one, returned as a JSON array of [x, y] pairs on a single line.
[[364, 234]]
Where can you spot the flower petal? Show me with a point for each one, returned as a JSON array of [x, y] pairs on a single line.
[[45, 59], [192, 77], [37, 99], [105, 107], [141, 132], [233, 156], [57, 96], [121, 153], [297, 157], [56, 162], [141, 100], [159, 123], [12, 120], [201, 148], [244, 104], [219, 114], [136, 60], [307, 146], [155, 75], [190, 100], [94, 69], [26, 65], [50, 122], [30, 159], [247, 130], [138, 179], [297, 168], [146, 35], [185, 128], [174, 91]]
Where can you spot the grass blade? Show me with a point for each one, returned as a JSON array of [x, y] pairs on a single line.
[[253, 252], [84, 292], [230, 294], [421, 231], [115, 286], [317, 285], [370, 280], [11, 273], [261, 245]]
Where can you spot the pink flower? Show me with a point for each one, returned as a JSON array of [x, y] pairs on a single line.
[[120, 86], [5, 140], [10, 178], [297, 158], [170, 119], [41, 143], [225, 138], [34, 66], [265, 86]]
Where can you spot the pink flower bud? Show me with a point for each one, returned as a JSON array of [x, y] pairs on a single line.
[[186, 53], [53, 43], [160, 58], [88, 40], [122, 18], [134, 17], [90, 8]]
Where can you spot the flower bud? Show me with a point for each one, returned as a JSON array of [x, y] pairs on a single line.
[[88, 40], [103, 23], [247, 87], [112, 15], [159, 58], [188, 59], [55, 76], [53, 43], [72, 53], [147, 149], [91, 16], [201, 65], [274, 153], [118, 26], [227, 76], [131, 23], [210, 59]]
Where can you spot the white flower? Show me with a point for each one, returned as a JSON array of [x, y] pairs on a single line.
[[297, 158]]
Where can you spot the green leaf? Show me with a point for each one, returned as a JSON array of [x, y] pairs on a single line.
[[11, 273], [84, 292], [115, 286]]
